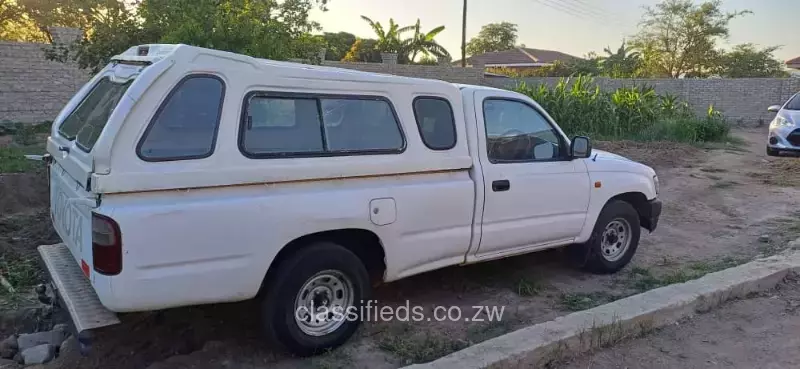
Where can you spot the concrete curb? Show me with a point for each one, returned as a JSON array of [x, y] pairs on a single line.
[[579, 332]]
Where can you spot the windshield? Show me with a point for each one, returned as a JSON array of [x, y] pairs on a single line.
[[87, 121], [794, 103]]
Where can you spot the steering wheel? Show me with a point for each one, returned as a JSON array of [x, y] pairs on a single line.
[[333, 117], [514, 135]]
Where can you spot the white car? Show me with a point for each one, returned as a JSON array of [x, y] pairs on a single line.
[[183, 176], [784, 130]]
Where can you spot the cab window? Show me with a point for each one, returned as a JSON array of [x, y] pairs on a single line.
[[516, 132]]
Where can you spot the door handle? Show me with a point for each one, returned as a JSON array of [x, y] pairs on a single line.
[[501, 185]]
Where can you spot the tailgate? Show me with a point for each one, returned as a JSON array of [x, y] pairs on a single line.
[[70, 211]]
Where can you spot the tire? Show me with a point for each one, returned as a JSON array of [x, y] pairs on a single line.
[[305, 269], [772, 152], [607, 236]]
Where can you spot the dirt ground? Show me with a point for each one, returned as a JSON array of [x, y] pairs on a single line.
[[759, 332], [723, 205]]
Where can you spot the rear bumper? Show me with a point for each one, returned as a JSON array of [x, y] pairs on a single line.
[[73, 290], [650, 213]]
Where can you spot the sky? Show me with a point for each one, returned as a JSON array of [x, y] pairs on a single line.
[[572, 26]]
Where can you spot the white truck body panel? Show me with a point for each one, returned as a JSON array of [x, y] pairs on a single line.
[[207, 230]]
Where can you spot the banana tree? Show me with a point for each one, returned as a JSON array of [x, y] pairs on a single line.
[[423, 42], [388, 39]]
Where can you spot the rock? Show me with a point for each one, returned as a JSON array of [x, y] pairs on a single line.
[[54, 337], [39, 354], [60, 333], [9, 364], [9, 347], [70, 349], [763, 238]]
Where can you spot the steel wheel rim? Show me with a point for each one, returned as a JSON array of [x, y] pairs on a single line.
[[616, 239], [322, 303]]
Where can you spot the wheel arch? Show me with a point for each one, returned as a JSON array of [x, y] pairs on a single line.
[[640, 203], [365, 244]]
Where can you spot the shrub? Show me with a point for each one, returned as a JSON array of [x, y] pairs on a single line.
[[637, 112]]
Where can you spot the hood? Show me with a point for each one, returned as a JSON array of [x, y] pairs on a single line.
[[604, 161], [791, 115], [605, 155]]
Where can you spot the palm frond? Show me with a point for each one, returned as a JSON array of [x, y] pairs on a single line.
[[432, 33], [405, 29], [434, 48]]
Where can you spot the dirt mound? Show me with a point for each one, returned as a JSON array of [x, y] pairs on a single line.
[[23, 192], [657, 154], [783, 172]]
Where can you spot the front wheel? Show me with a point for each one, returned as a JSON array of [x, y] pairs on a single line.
[[614, 239], [314, 301]]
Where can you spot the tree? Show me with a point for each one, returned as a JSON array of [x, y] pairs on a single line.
[[746, 61], [493, 37], [623, 63], [423, 42], [363, 50], [262, 28], [427, 60], [388, 39], [337, 44], [15, 25], [678, 38]]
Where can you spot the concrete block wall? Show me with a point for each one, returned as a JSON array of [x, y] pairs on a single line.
[[33, 89], [742, 100], [446, 73]]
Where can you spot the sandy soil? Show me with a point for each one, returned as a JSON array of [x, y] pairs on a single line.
[[760, 332], [718, 202]]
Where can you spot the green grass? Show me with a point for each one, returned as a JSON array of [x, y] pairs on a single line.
[[420, 347], [481, 332], [582, 301], [22, 274], [643, 279], [527, 287], [12, 160]]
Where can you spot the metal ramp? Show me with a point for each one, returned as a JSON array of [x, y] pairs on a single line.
[[74, 289]]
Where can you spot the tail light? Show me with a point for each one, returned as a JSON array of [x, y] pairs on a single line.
[[106, 245]]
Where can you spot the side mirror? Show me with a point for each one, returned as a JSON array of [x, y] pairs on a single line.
[[581, 147], [774, 108]]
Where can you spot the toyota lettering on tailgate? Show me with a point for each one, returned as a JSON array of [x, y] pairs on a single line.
[[69, 219]]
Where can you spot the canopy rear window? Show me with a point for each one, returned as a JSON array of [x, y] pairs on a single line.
[[87, 121]]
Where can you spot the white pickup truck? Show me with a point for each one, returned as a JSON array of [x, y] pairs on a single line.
[[182, 176]]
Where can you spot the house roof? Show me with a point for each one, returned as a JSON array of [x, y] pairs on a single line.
[[794, 63], [519, 56]]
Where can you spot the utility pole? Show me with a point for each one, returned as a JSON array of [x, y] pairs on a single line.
[[464, 36]]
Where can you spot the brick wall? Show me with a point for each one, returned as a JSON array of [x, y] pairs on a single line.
[[446, 73], [742, 100], [33, 89]]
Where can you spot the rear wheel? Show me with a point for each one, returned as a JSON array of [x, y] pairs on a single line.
[[314, 301], [772, 152], [614, 240]]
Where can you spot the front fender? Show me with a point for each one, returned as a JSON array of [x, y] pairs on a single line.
[[613, 184]]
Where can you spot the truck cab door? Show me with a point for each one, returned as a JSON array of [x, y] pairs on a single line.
[[536, 196]]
